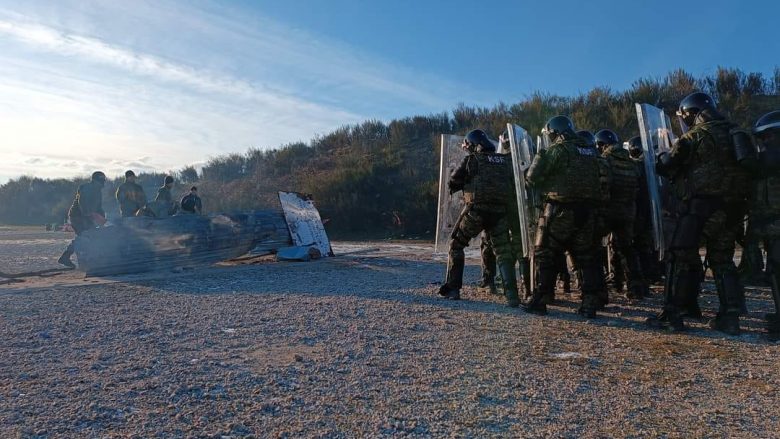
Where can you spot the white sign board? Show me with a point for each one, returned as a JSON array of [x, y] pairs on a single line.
[[304, 222]]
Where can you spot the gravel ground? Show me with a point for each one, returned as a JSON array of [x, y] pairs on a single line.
[[360, 346]]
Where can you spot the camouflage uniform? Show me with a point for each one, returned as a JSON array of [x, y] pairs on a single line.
[[489, 255], [765, 218], [570, 178], [713, 190], [131, 198], [163, 204], [87, 203], [486, 182], [620, 214]]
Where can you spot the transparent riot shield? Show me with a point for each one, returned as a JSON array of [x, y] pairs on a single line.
[[655, 131], [450, 206], [523, 151]]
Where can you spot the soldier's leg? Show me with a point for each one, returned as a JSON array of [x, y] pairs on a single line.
[[78, 227], [586, 259], [683, 273], [626, 257], [488, 263], [525, 273], [469, 225], [499, 234], [554, 228], [721, 235], [772, 247]]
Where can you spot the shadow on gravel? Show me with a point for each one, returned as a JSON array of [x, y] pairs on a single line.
[[417, 282]]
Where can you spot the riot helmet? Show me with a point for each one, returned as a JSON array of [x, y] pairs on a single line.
[[606, 138], [588, 138], [634, 145], [558, 126], [695, 105], [767, 131], [477, 140], [504, 146]]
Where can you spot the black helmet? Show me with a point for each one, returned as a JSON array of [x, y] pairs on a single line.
[[168, 179], [478, 140], [129, 174], [605, 138], [695, 104], [588, 137], [768, 121], [99, 176], [767, 130], [635, 146], [558, 126]]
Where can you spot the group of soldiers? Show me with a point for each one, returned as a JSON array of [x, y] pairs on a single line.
[[593, 188], [87, 212]]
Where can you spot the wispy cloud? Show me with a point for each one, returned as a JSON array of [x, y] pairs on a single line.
[[109, 82]]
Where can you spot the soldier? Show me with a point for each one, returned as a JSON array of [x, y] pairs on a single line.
[[130, 196], [765, 208], [569, 177], [486, 249], [486, 181], [191, 203], [712, 186], [620, 214], [163, 204], [86, 212]]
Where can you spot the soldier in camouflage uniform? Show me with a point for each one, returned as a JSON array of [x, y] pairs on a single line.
[[620, 214], [569, 177], [486, 181], [85, 212], [765, 206], [130, 196], [487, 280], [704, 165]]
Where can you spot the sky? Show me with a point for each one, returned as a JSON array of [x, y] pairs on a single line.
[[157, 85]]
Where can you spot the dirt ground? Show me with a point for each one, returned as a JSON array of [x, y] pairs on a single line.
[[358, 345]]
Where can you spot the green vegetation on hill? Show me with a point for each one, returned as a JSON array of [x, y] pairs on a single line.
[[380, 179]]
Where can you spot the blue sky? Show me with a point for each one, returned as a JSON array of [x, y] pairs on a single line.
[[156, 85]]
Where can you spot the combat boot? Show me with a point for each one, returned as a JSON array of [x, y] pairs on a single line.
[[668, 319], [509, 282], [65, 258], [488, 286], [727, 323], [512, 299], [545, 285], [449, 293], [590, 304], [536, 305]]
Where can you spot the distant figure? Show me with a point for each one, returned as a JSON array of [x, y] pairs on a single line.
[[164, 205], [86, 212], [191, 203], [130, 196]]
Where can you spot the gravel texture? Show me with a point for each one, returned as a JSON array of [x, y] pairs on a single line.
[[361, 346]]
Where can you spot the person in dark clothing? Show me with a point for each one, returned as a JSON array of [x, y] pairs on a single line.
[[191, 203], [86, 212]]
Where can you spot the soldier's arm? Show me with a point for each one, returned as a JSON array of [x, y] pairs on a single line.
[[680, 154], [459, 176], [120, 194], [543, 162]]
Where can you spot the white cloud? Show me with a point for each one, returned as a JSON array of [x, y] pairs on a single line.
[[106, 83]]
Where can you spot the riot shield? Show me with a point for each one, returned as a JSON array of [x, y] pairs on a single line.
[[655, 131], [522, 150], [450, 206]]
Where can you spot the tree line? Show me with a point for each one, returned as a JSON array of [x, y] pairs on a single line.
[[380, 179]]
